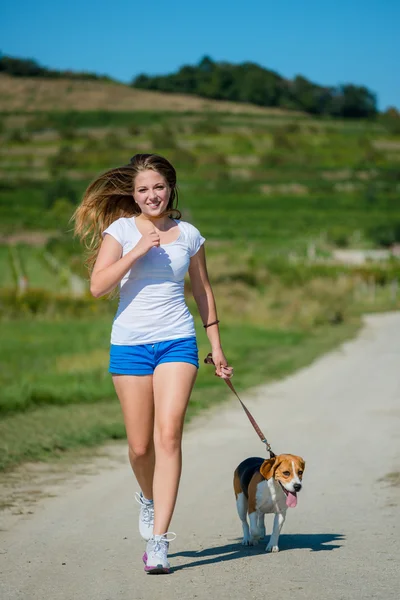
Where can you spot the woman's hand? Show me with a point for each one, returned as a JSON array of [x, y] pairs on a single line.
[[147, 242], [221, 364]]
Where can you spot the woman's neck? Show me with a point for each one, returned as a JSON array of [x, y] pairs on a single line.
[[162, 222]]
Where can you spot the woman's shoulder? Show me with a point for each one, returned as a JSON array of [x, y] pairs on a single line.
[[123, 223], [121, 228], [188, 228], [192, 236]]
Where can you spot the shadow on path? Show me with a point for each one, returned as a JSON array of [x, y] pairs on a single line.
[[315, 542]]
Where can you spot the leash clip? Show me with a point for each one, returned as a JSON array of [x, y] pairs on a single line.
[[269, 449]]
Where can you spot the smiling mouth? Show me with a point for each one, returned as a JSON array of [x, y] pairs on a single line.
[[291, 497]]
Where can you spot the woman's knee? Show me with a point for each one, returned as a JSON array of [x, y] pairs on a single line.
[[168, 440], [139, 450]]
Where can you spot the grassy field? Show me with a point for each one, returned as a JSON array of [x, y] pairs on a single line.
[[36, 94], [274, 193], [65, 397]]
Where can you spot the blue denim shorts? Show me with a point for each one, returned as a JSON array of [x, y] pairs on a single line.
[[142, 359]]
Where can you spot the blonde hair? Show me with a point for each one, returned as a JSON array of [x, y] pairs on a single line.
[[110, 197]]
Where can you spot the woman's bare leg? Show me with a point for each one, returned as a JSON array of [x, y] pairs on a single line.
[[135, 394], [172, 385]]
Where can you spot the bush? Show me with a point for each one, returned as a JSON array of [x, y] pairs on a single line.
[[134, 130], [339, 236], [391, 120], [64, 159], [242, 144], [62, 210], [385, 234], [18, 136], [64, 246], [66, 124], [40, 122], [163, 138], [60, 188], [281, 139], [181, 158], [213, 167], [275, 158], [212, 159], [42, 303], [112, 141], [370, 156], [207, 125]]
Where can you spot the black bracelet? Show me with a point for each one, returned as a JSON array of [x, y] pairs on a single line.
[[209, 324]]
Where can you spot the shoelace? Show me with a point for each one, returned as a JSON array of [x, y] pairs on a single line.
[[161, 544], [148, 509]]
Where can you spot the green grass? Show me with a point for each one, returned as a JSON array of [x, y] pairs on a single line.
[[46, 426], [233, 210], [103, 118], [24, 206], [6, 277], [34, 267], [42, 434], [53, 362], [55, 392], [300, 151]]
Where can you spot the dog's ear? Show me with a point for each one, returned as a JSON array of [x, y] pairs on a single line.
[[268, 467]]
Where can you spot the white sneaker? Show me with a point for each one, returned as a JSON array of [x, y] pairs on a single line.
[[146, 516], [155, 557]]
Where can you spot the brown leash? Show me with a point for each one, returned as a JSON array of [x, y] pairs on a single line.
[[209, 361]]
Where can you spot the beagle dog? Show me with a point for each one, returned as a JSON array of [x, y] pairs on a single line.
[[266, 486]]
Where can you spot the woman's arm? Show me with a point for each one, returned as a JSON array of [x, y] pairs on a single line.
[[204, 297], [110, 268]]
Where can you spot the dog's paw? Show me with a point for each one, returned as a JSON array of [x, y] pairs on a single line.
[[271, 548], [254, 541], [246, 541], [249, 541]]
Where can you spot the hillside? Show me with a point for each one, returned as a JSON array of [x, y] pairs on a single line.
[[274, 192], [246, 82], [31, 94]]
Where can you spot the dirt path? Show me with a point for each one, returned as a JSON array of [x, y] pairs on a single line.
[[341, 542]]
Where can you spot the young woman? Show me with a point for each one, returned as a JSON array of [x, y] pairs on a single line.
[[126, 219]]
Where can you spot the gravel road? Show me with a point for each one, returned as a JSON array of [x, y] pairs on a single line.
[[341, 542]]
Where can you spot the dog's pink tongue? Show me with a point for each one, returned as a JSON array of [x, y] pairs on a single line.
[[291, 499]]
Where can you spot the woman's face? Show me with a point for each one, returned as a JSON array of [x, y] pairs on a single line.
[[151, 193]]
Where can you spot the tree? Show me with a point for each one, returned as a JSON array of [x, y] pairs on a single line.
[[20, 67], [354, 101], [306, 94], [206, 65], [249, 82], [391, 120]]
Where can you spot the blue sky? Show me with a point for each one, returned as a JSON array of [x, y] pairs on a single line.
[[344, 41]]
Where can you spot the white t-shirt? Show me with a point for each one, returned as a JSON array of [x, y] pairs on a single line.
[[152, 305]]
